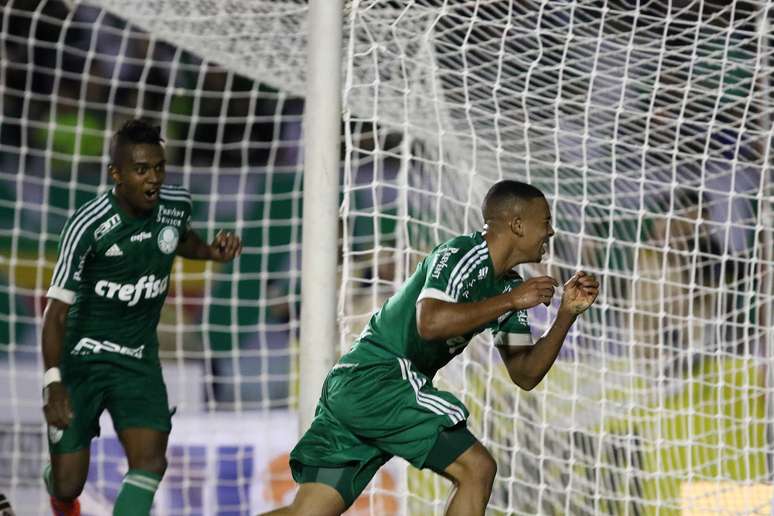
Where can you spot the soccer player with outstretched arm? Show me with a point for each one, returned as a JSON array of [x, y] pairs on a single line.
[[100, 348], [378, 401]]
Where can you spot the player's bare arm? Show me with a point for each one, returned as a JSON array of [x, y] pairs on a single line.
[[527, 365], [439, 320], [224, 247], [56, 402]]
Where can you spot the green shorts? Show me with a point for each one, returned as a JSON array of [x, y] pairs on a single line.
[[133, 400], [369, 413]]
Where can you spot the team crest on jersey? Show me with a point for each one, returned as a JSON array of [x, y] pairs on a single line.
[[167, 239]]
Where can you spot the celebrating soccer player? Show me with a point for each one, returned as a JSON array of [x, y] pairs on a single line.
[[100, 348], [378, 401]]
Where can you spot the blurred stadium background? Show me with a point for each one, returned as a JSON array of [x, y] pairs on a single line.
[[648, 125]]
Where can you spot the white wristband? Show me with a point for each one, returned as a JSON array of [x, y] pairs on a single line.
[[51, 375]]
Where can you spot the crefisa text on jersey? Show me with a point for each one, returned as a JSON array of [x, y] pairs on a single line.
[[131, 293], [139, 237], [171, 216]]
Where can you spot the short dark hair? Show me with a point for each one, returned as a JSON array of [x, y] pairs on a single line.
[[133, 132], [505, 193]]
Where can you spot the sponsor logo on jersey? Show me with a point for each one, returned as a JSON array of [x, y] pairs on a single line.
[[521, 316], [167, 239], [87, 346], [482, 272], [443, 260], [78, 273], [171, 216], [54, 434], [139, 237], [114, 250], [147, 287], [107, 226]]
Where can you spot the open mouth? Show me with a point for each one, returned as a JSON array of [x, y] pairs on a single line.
[[152, 194]]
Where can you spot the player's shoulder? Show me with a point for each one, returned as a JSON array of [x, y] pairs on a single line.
[[93, 206], [462, 244], [89, 213], [458, 256], [175, 194]]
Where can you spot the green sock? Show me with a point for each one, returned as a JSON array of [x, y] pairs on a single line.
[[47, 479], [136, 495]]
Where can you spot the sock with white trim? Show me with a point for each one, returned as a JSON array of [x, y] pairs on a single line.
[[136, 495]]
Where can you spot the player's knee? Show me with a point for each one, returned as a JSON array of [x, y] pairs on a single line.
[[484, 468], [477, 466], [67, 488], [489, 470], [152, 464]]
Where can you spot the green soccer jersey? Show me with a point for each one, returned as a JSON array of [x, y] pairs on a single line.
[[457, 271], [114, 272]]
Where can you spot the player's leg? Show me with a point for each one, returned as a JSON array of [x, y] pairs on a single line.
[[69, 448], [473, 474], [137, 402], [146, 450], [427, 427], [329, 491], [313, 499], [64, 478]]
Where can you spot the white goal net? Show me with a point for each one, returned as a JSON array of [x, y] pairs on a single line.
[[647, 125]]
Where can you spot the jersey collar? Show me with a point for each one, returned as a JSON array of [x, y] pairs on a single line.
[[125, 217], [478, 237]]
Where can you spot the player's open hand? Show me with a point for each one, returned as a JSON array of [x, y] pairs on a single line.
[[56, 405], [225, 247], [580, 292], [533, 292]]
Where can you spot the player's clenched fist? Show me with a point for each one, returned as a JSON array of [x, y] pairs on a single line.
[[225, 247], [533, 292], [580, 292], [56, 405]]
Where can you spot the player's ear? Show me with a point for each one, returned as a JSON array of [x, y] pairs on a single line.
[[114, 173], [517, 226]]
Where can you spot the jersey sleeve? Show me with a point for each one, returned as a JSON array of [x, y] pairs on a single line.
[[75, 244], [512, 328], [449, 268]]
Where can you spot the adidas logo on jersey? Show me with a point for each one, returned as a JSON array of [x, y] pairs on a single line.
[[114, 250]]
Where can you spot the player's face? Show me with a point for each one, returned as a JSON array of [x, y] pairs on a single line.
[[140, 176], [537, 228]]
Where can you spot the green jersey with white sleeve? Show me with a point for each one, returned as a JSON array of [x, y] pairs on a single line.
[[114, 272], [457, 271]]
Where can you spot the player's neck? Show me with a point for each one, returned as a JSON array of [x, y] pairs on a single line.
[[129, 210], [504, 257]]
